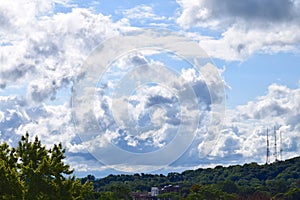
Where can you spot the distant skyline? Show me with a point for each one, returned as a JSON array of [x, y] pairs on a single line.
[[254, 44]]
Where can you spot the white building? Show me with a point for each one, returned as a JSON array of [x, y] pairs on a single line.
[[154, 191]]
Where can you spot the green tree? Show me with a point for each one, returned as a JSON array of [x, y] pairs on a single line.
[[229, 187], [30, 171], [292, 194], [121, 192], [10, 185], [208, 192], [43, 171], [105, 196]]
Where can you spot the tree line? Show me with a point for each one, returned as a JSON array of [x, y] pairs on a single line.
[[279, 180]]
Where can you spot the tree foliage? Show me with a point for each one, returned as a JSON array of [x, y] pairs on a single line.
[[30, 171]]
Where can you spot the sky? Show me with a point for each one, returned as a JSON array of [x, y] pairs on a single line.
[[152, 86]]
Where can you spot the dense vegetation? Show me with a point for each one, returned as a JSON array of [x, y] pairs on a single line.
[[279, 180], [30, 171]]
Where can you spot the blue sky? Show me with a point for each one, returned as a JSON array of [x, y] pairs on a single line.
[[45, 51], [256, 73]]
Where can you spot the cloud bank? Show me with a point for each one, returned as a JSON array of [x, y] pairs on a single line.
[[244, 27]]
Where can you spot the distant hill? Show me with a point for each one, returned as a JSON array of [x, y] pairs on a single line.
[[280, 180]]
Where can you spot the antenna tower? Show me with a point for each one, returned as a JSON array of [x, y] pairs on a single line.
[[281, 149], [275, 146], [268, 148]]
